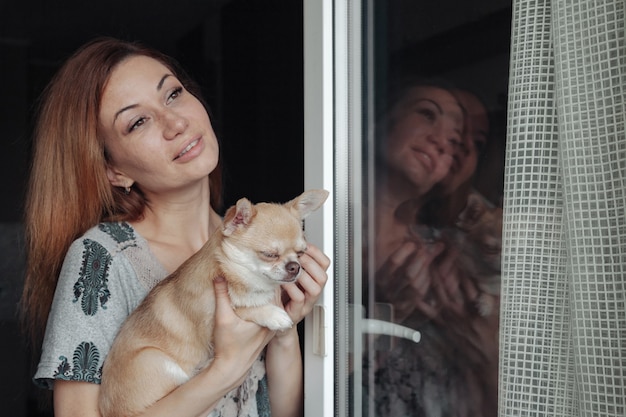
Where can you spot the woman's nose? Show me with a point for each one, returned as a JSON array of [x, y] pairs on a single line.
[[173, 124], [440, 137]]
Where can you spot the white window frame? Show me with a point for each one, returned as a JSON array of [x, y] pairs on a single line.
[[318, 173], [332, 137]]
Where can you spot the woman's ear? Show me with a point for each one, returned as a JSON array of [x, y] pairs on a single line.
[[118, 178]]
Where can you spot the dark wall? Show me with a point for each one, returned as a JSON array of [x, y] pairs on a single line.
[[14, 113], [263, 110]]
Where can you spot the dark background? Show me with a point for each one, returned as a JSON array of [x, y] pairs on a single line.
[[248, 57]]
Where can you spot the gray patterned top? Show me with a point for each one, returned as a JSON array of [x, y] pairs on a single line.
[[105, 275]]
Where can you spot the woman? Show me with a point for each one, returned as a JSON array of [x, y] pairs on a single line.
[[415, 144], [450, 372], [120, 196]]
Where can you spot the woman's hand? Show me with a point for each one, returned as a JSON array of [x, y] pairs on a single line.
[[458, 297], [237, 342], [298, 298], [405, 279], [283, 360]]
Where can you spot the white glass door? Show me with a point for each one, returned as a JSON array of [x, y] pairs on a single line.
[[404, 124]]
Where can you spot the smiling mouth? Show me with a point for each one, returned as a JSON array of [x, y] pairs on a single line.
[[425, 158], [188, 148]]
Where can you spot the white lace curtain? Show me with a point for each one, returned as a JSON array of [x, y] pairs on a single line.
[[563, 323]]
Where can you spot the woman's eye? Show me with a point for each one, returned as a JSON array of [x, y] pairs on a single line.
[[427, 113], [456, 142], [136, 124], [175, 94]]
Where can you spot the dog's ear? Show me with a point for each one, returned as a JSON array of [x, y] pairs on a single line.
[[238, 216], [308, 202]]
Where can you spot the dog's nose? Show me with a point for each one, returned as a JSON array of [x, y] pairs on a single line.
[[293, 269]]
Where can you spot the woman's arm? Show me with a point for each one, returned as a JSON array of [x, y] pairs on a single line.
[[75, 399], [283, 360], [238, 344]]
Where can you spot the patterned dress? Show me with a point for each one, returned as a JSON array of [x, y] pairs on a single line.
[[432, 378], [105, 275]]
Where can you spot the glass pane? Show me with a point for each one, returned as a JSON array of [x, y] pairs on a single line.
[[435, 84]]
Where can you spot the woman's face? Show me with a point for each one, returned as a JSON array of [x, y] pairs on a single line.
[[475, 134], [157, 134], [423, 128]]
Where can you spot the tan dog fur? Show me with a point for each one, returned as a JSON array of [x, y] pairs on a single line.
[[479, 239], [168, 338]]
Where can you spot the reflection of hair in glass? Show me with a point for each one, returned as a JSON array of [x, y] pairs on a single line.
[[397, 90]]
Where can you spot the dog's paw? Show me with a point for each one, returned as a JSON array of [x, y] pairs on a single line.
[[276, 319]]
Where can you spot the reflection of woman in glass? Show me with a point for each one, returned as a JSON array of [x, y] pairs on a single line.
[[419, 276], [414, 153], [468, 316], [458, 183]]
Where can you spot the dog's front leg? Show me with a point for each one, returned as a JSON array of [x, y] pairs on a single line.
[[270, 316]]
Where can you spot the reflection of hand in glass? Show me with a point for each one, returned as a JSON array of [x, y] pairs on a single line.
[[477, 333], [416, 137], [458, 295], [405, 279]]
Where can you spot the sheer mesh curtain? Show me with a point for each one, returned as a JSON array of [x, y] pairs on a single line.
[[563, 324]]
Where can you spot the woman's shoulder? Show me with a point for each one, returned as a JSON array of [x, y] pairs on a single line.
[[114, 237], [118, 245]]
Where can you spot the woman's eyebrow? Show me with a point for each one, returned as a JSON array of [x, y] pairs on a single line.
[[160, 84], [122, 110], [439, 109]]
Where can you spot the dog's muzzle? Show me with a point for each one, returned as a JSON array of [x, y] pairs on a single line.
[[293, 270]]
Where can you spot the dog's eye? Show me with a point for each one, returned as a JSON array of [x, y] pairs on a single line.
[[300, 253], [269, 255]]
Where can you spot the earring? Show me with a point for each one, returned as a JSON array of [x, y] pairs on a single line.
[[127, 190]]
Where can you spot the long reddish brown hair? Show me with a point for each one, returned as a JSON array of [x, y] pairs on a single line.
[[68, 190]]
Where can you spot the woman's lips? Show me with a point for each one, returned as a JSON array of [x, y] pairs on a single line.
[[425, 158], [189, 147]]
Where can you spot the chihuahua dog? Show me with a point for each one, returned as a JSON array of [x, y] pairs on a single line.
[[168, 338], [478, 236]]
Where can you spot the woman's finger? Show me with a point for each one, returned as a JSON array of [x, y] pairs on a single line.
[[299, 297], [318, 256], [418, 270], [314, 276]]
